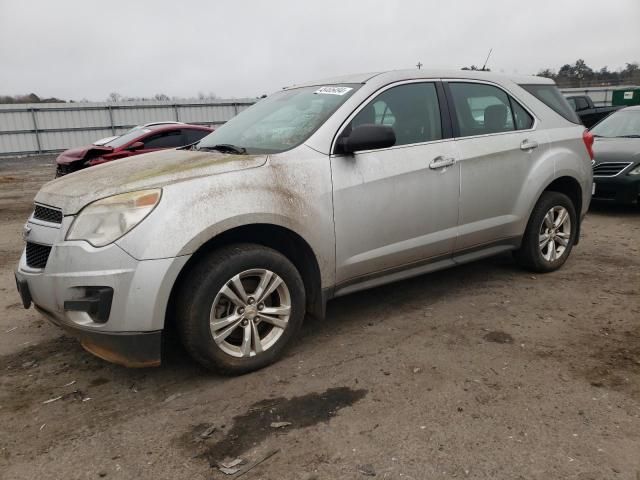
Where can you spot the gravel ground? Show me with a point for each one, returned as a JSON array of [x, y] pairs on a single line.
[[483, 371]]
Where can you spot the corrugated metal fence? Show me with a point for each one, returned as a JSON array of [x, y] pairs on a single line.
[[51, 127]]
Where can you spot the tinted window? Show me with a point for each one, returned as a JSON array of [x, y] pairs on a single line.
[[523, 120], [572, 102], [411, 110], [581, 104], [552, 98], [193, 135], [171, 139], [481, 109]]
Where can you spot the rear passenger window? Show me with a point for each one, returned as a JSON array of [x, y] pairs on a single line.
[[523, 120], [412, 111], [482, 109]]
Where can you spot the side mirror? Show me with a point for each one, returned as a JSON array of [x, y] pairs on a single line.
[[136, 146], [368, 137]]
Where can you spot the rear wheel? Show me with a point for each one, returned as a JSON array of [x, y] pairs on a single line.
[[240, 307], [550, 234]]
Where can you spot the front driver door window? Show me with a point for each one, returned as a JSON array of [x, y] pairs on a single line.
[[390, 208]]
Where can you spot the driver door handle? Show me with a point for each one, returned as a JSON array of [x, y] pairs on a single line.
[[441, 162], [528, 145]]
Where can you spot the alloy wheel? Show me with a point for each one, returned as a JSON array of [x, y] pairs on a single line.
[[555, 233], [250, 313]]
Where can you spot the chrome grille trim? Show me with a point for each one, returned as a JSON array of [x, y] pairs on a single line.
[[609, 169]]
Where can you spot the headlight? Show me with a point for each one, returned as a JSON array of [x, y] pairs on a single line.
[[635, 171], [104, 221]]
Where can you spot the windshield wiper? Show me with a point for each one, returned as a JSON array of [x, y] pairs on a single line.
[[190, 146], [628, 136], [226, 148]]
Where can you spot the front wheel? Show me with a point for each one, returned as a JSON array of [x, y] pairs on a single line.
[[239, 308], [550, 234]]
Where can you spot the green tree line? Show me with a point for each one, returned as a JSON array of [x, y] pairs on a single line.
[[582, 75]]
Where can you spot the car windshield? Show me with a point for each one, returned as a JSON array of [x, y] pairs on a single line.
[[625, 123], [281, 121], [134, 129], [126, 138]]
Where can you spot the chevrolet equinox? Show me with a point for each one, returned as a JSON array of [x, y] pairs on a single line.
[[317, 191]]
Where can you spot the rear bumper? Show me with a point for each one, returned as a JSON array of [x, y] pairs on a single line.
[[620, 189]]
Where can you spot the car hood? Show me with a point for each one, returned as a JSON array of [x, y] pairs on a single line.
[[616, 150], [79, 153], [158, 169]]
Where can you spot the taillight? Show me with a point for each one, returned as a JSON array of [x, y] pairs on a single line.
[[587, 138]]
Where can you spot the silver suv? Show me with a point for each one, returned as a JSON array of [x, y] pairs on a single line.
[[317, 191]]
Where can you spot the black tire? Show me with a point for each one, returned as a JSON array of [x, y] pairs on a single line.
[[198, 292], [529, 255]]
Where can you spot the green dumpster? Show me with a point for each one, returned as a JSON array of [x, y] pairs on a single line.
[[629, 96]]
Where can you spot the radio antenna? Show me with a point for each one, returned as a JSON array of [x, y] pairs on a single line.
[[484, 67]]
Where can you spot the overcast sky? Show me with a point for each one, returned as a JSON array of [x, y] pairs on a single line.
[[237, 48]]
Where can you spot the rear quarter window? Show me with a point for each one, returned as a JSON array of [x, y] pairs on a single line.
[[552, 98]]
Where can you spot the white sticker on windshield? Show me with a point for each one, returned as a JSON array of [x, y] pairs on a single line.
[[628, 95], [334, 90]]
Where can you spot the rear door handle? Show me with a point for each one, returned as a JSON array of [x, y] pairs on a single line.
[[528, 145], [441, 162]]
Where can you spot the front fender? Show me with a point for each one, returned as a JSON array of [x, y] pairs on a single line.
[[292, 191]]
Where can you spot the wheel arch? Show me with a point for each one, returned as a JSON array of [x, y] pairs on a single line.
[[282, 239]]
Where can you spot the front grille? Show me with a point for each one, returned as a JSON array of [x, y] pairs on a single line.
[[62, 170], [47, 214], [37, 255], [609, 169]]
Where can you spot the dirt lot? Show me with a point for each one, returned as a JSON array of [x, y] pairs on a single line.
[[484, 371]]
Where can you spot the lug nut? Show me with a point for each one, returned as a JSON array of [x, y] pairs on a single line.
[[241, 310], [261, 306], [245, 322], [251, 300]]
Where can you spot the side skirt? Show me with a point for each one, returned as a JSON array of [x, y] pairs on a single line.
[[434, 264]]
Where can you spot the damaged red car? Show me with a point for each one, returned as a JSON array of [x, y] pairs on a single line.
[[144, 140]]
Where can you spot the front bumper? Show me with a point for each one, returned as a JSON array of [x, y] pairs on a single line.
[[129, 349], [113, 303], [621, 188]]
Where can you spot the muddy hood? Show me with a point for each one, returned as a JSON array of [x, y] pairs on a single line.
[[158, 169]]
